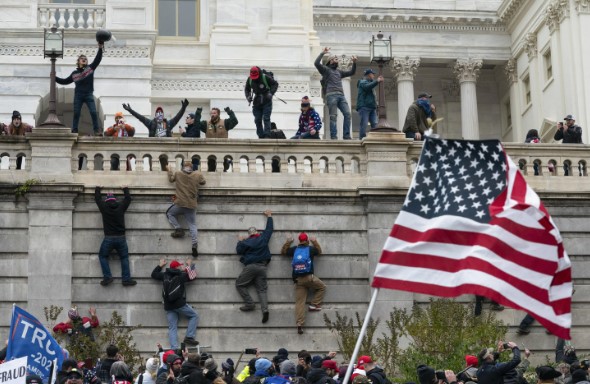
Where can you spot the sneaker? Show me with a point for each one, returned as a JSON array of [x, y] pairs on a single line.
[[314, 308], [265, 317], [129, 283], [300, 329], [190, 341], [195, 250], [106, 281], [75, 131], [178, 233], [247, 308], [497, 307], [523, 331]]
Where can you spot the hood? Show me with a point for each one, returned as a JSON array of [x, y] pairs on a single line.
[[112, 204], [174, 271], [315, 374]]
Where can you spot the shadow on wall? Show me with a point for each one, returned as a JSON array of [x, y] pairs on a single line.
[[65, 111]]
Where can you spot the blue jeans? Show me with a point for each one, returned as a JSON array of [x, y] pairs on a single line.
[[190, 217], [79, 99], [120, 244], [262, 114], [337, 101], [307, 135], [367, 115], [191, 330]]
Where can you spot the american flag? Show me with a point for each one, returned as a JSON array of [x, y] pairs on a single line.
[[471, 225]]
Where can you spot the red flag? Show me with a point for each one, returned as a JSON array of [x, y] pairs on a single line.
[[471, 225]]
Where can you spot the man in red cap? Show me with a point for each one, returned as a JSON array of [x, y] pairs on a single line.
[[302, 263], [259, 90], [174, 295], [374, 373]]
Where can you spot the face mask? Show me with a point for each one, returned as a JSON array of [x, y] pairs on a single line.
[[333, 65], [159, 116], [304, 105]]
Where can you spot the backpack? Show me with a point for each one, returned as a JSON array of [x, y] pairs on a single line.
[[301, 261], [173, 288], [276, 134]]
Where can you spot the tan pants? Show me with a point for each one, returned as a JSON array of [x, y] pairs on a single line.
[[302, 286]]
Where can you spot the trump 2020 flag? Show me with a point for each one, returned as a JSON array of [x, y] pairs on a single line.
[[28, 337], [470, 224]]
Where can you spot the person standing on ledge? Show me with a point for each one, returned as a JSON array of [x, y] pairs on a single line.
[[83, 77], [259, 89]]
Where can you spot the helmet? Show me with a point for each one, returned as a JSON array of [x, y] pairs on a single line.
[[103, 35]]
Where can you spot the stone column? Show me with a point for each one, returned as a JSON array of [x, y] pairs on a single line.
[[554, 15], [467, 71], [404, 71], [512, 75], [50, 210]]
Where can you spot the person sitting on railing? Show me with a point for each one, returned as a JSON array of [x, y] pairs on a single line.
[[310, 121], [216, 128], [83, 77], [158, 126], [120, 128]]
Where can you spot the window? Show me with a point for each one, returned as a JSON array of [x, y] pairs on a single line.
[[548, 65], [526, 88], [177, 18]]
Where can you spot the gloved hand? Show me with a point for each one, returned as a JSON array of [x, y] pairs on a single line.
[[199, 110], [127, 107], [249, 99], [227, 109], [268, 96], [184, 103]]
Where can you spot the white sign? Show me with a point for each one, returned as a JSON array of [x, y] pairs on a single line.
[[14, 371]]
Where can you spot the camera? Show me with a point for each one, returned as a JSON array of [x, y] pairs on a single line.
[[250, 351], [440, 375], [506, 346]]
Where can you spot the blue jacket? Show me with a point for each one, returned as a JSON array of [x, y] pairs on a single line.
[[255, 248], [366, 97], [492, 373]]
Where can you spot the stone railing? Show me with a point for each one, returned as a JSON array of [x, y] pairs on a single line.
[[376, 158], [71, 16]]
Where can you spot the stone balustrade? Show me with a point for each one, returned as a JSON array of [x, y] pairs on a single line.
[[71, 16]]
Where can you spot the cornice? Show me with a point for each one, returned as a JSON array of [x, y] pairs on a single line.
[[508, 9], [397, 19], [227, 86], [37, 50]]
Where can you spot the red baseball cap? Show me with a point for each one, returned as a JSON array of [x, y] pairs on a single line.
[[331, 364], [174, 264], [364, 360], [254, 73], [303, 237]]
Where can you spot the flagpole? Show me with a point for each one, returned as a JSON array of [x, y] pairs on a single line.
[[359, 341]]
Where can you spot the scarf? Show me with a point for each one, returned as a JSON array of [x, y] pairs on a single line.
[[425, 105]]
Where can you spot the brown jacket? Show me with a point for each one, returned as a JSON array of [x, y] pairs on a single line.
[[416, 119], [187, 186], [216, 131], [11, 130]]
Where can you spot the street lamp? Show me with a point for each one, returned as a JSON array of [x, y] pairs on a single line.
[[381, 54], [53, 48]]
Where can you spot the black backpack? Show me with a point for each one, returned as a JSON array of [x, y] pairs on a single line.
[[173, 288], [264, 75]]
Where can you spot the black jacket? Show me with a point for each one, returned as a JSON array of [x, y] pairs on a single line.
[[192, 130], [83, 77], [262, 93], [492, 373], [152, 124], [194, 372], [319, 376], [377, 376], [569, 135], [158, 274], [113, 213]]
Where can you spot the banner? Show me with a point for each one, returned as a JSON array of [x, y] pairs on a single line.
[[29, 338], [14, 372]]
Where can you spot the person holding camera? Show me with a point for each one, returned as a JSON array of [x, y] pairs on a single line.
[[570, 133], [491, 372], [255, 255], [120, 128]]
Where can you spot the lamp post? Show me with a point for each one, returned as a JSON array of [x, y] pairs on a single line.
[[381, 54], [53, 48]]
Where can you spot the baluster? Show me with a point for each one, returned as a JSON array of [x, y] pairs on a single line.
[[99, 18], [90, 162], [300, 164], [90, 19], [138, 166], [146, 164], [332, 166], [268, 166], [12, 163], [52, 20], [81, 24], [346, 166], [62, 18], [106, 163], [156, 165], [43, 17], [252, 165]]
